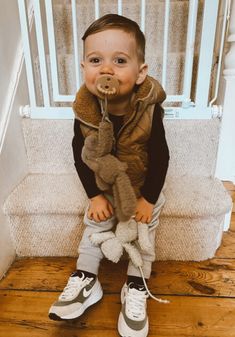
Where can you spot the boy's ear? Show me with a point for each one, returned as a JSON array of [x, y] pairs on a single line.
[[142, 74]]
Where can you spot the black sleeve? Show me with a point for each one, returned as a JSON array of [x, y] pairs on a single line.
[[86, 175], [158, 155]]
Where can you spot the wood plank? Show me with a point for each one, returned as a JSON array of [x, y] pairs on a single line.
[[25, 329], [30, 309], [184, 316], [39, 273], [215, 277], [51, 273]]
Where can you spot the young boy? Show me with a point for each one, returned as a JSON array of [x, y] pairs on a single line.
[[115, 46]]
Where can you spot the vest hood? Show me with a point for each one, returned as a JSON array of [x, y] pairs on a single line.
[[87, 107]]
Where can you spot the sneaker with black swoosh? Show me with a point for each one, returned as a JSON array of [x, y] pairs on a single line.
[[133, 318], [79, 294]]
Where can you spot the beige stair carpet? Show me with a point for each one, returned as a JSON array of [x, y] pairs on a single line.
[[46, 213]]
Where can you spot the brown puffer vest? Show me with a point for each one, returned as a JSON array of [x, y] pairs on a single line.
[[131, 143]]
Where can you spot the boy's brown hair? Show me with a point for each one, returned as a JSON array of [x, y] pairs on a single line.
[[115, 21]]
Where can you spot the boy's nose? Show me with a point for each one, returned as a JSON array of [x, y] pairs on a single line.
[[107, 69]]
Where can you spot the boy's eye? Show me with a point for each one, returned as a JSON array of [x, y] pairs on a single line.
[[120, 60], [94, 60]]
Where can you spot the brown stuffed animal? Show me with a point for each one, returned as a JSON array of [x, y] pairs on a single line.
[[109, 171]]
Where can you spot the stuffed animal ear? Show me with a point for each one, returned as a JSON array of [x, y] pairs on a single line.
[[124, 197]]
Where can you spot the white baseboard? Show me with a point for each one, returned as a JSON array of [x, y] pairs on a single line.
[[227, 220]]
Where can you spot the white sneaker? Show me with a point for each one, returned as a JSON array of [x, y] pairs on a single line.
[[79, 294], [133, 319]]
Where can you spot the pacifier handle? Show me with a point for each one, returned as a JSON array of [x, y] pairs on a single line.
[[107, 85]]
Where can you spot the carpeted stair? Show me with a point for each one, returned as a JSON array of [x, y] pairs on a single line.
[[46, 209]]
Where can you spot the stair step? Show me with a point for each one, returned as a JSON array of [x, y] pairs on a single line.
[[46, 216], [49, 145], [49, 150], [48, 194]]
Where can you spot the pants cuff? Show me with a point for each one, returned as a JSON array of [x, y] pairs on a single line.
[[88, 263], [146, 268]]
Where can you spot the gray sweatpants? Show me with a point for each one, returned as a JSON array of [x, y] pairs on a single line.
[[90, 255]]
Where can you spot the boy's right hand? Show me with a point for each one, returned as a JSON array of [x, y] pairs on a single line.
[[100, 208]]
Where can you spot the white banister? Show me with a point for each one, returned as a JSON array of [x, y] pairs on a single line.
[[52, 49], [191, 34], [53, 56], [97, 9], [225, 167], [27, 51], [75, 43], [206, 52], [221, 48], [41, 53], [120, 7], [142, 24]]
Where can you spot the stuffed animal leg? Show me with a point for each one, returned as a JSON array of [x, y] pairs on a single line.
[[113, 244]]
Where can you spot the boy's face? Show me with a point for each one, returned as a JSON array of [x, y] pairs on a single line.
[[113, 52]]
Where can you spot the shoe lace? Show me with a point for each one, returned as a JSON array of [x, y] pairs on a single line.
[[148, 291], [74, 285], [136, 303]]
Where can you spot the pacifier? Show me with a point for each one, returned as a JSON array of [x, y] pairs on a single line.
[[107, 85]]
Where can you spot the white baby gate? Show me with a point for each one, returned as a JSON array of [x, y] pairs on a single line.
[[39, 16]]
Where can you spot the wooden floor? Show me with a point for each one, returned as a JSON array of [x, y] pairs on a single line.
[[202, 296]]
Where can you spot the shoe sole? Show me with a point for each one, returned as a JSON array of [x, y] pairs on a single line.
[[54, 317], [94, 298]]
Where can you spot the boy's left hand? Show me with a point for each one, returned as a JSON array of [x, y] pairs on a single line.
[[144, 210]]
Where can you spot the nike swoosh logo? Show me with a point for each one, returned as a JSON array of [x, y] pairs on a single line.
[[86, 293]]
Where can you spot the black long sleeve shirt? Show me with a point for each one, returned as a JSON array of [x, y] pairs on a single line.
[[158, 158]]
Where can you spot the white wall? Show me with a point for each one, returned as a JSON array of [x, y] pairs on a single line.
[[13, 161], [9, 37]]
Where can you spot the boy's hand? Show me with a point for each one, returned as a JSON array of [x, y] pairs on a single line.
[[144, 210], [100, 208]]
